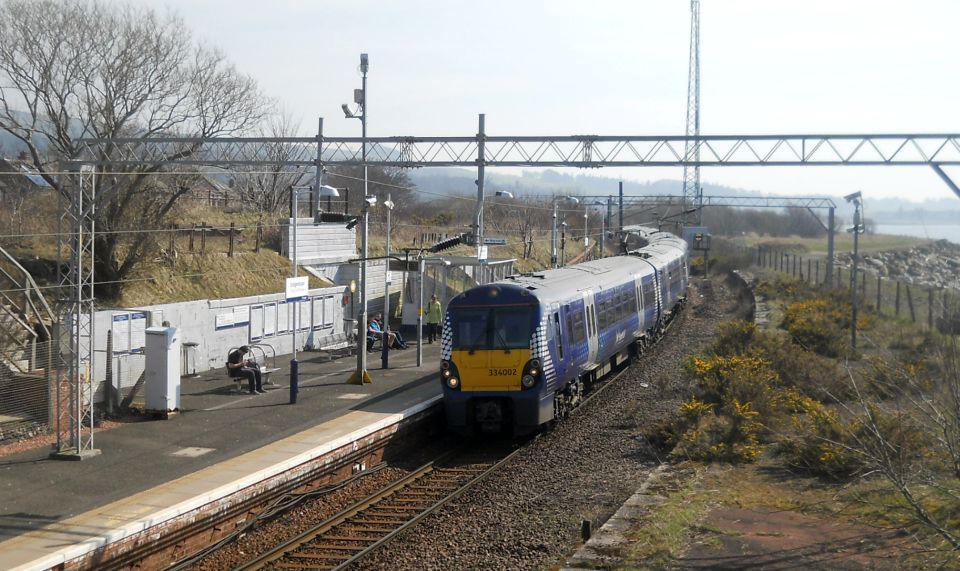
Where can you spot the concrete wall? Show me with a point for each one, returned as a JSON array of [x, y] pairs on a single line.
[[216, 327], [319, 243]]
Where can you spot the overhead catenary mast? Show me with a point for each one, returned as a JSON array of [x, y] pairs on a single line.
[[692, 192]]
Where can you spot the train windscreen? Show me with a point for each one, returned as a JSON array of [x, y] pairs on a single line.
[[492, 327]]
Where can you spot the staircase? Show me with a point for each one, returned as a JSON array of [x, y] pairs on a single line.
[[25, 351]]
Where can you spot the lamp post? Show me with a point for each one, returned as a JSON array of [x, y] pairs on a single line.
[[563, 244], [603, 223], [384, 350], [360, 375], [360, 98], [857, 199], [553, 237]]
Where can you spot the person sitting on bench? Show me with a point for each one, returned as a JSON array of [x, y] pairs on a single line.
[[375, 330], [240, 367]]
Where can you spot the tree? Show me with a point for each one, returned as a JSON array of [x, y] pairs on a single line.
[[72, 69], [267, 188]]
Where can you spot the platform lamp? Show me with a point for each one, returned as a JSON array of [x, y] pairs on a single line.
[[553, 238], [384, 349], [295, 191], [360, 376], [603, 223]]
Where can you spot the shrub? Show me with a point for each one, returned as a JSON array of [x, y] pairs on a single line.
[[818, 324]]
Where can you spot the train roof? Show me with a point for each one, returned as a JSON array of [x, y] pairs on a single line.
[[661, 247]]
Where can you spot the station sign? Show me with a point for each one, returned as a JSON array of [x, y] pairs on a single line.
[[298, 288]]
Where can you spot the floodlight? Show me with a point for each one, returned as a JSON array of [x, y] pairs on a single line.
[[353, 222], [326, 190], [852, 196], [506, 193], [389, 204], [347, 112], [370, 200]]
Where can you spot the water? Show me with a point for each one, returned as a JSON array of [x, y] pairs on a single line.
[[932, 231]]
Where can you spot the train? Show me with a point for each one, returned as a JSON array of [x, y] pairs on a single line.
[[521, 353]]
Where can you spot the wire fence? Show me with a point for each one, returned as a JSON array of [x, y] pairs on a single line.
[[929, 306], [28, 394]]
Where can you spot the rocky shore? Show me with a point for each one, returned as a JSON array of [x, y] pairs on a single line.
[[934, 264]]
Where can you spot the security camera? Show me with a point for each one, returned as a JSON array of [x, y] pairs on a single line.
[[346, 111], [370, 200], [852, 196]]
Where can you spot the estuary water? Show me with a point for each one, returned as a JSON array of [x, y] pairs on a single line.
[[932, 231]]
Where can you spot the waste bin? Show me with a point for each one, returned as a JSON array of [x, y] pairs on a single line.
[[188, 359]]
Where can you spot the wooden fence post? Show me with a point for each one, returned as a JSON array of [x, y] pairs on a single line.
[[839, 277], [896, 303], [173, 239], [816, 279], [256, 244], [879, 288], [809, 273], [233, 227], [193, 229], [863, 285], [203, 238], [913, 314]]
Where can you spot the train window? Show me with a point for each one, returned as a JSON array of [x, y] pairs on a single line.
[[558, 334], [492, 328], [571, 332], [593, 313], [579, 334]]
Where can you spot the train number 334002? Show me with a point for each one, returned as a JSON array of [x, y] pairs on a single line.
[[502, 372]]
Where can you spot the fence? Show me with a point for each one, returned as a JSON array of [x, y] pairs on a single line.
[[196, 238], [930, 306], [28, 398]]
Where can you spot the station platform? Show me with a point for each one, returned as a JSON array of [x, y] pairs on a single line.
[[222, 441]]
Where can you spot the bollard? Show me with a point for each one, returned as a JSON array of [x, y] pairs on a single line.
[[294, 380]]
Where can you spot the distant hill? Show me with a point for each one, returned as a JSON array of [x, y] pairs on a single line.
[[531, 183]]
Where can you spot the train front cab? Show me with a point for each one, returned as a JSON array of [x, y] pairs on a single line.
[[492, 382]]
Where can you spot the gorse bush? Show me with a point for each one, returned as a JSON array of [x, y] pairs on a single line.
[[818, 324]]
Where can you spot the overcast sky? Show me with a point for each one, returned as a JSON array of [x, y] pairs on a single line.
[[549, 67]]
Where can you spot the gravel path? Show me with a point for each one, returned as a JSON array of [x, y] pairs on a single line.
[[528, 516]]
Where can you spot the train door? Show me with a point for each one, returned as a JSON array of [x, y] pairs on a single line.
[[591, 323], [661, 293]]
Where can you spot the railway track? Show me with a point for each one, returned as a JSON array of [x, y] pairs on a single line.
[[361, 528]]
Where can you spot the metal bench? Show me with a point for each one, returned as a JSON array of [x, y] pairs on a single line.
[[336, 346], [241, 382]]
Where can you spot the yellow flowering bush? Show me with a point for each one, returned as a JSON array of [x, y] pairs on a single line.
[[818, 324]]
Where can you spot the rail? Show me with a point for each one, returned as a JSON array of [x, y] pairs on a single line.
[[362, 528]]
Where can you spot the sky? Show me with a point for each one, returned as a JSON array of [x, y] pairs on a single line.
[[606, 67]]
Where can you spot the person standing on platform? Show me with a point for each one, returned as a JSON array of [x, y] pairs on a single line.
[[434, 315]]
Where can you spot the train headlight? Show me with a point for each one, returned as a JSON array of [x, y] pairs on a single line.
[[528, 381], [445, 365], [452, 382], [446, 373]]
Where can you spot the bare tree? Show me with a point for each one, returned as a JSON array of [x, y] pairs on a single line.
[[72, 69], [267, 188]]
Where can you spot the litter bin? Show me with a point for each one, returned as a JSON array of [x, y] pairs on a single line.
[[188, 359]]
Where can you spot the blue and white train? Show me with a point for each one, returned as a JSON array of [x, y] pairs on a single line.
[[518, 353]]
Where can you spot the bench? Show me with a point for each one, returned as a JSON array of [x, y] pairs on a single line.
[[336, 346], [241, 382]]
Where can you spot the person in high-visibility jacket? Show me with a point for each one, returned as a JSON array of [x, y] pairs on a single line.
[[434, 315]]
